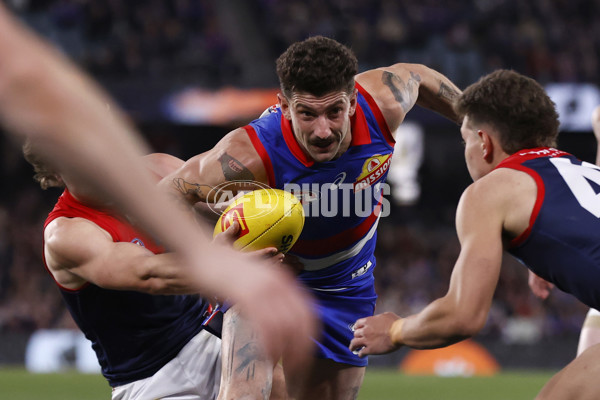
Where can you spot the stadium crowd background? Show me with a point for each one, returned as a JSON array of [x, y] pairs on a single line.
[[213, 43], [196, 40]]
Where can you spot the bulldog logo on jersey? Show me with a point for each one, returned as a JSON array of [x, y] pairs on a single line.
[[373, 169]]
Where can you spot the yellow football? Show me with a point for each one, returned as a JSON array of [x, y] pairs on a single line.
[[267, 218]]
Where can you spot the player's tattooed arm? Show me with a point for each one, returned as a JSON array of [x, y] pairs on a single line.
[[448, 92], [197, 190], [405, 93], [189, 195], [430, 89], [234, 170], [245, 370], [443, 101]]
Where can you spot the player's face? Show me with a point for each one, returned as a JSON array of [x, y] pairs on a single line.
[[321, 125], [473, 149]]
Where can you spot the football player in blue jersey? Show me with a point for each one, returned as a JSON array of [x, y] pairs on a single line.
[[329, 140], [529, 199]]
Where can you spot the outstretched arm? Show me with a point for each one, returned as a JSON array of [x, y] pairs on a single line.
[[397, 88], [462, 312], [78, 251]]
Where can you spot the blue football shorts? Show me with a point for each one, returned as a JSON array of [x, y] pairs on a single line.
[[338, 309]]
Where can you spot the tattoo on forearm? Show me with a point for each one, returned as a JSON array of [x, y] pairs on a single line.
[[234, 170], [188, 188], [447, 92], [404, 93]]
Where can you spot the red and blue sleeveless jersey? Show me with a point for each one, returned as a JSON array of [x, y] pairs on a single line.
[[133, 334], [562, 242], [343, 198]]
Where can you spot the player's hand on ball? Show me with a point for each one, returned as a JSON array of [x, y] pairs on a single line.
[[269, 253], [293, 264], [266, 218], [372, 335], [228, 236]]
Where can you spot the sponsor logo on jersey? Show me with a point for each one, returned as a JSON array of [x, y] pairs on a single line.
[[373, 169]]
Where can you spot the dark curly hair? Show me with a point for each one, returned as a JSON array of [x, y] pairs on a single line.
[[516, 105], [317, 65]]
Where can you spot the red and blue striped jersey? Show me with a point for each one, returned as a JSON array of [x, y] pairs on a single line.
[[343, 198]]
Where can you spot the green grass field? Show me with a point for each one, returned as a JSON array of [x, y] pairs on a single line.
[[17, 384], [508, 385]]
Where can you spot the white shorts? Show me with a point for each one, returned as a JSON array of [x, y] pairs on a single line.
[[194, 374], [593, 313], [592, 320]]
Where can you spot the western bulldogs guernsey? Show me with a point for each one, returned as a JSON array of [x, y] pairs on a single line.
[[562, 243], [133, 334], [343, 200]]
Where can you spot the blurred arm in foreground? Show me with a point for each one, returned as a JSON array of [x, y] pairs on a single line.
[[45, 98]]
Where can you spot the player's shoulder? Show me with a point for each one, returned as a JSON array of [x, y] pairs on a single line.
[[400, 71], [498, 183], [70, 243], [236, 138], [506, 193], [238, 157], [65, 230], [387, 88]]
